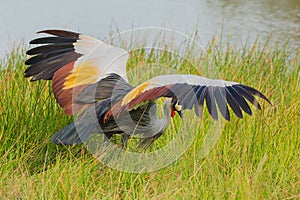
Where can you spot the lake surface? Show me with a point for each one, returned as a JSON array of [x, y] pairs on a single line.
[[20, 20]]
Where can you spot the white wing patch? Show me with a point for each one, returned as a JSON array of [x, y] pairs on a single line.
[[108, 59], [189, 79], [86, 44]]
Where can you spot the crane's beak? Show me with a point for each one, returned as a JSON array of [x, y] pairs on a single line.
[[180, 113]]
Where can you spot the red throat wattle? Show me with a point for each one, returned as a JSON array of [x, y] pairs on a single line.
[[172, 112]]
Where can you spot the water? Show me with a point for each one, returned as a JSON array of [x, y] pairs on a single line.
[[19, 20]]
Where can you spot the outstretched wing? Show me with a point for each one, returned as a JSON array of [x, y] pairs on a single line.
[[191, 91], [73, 61]]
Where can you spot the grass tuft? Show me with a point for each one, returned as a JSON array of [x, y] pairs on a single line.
[[254, 158]]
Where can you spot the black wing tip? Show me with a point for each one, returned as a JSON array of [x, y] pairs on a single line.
[[66, 136], [54, 52], [27, 62], [60, 33], [26, 75], [28, 52], [227, 117], [256, 92], [33, 79], [44, 31], [56, 141], [34, 41], [56, 34], [216, 118]]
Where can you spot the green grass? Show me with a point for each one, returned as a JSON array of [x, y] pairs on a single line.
[[254, 158]]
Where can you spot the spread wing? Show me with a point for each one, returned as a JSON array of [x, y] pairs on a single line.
[[192, 91], [73, 61]]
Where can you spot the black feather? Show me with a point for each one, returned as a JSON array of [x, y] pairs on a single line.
[[233, 104], [247, 95], [61, 33], [46, 57], [210, 102], [240, 100], [222, 105], [53, 40], [49, 58], [40, 66], [46, 69], [255, 92], [50, 48], [198, 103], [198, 91]]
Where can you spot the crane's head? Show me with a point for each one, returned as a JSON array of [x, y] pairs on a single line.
[[176, 107]]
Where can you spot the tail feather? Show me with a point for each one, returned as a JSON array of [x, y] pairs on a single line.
[[68, 135], [74, 133], [88, 123]]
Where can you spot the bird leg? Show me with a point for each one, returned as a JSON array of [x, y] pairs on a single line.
[[105, 142], [125, 138]]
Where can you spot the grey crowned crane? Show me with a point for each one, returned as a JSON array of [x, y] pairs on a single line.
[[89, 80]]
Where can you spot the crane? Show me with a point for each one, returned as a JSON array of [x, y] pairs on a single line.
[[89, 80]]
